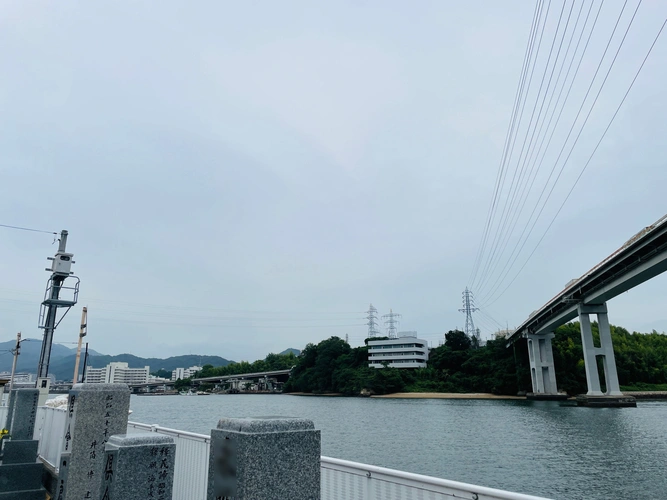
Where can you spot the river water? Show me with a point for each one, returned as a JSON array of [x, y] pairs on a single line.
[[550, 449]]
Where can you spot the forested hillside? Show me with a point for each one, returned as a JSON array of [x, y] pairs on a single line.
[[459, 366]]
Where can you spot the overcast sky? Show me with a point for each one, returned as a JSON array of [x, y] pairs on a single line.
[[242, 177]]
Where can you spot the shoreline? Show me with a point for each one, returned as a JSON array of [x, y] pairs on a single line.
[[325, 394], [446, 395]]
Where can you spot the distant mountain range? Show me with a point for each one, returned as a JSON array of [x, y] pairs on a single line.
[[29, 357], [63, 358]]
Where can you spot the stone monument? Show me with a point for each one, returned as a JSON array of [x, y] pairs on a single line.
[[138, 467], [20, 473], [10, 410], [264, 458], [23, 413], [95, 412], [21, 448]]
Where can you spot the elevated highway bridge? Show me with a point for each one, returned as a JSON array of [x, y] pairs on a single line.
[[280, 375], [641, 258]]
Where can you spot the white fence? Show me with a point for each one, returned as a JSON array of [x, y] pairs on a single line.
[[50, 427], [341, 479], [191, 467], [344, 480]]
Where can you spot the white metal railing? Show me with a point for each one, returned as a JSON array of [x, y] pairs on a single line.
[[50, 425], [340, 479], [344, 480], [3, 416], [192, 456]]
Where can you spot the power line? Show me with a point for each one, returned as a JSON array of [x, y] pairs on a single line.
[[516, 210], [495, 283], [587, 162], [520, 244], [510, 130], [28, 229], [509, 201]]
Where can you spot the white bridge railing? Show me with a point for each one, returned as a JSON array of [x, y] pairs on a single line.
[[341, 479]]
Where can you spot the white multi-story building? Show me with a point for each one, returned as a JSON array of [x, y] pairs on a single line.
[[117, 373], [184, 373], [406, 351], [21, 378]]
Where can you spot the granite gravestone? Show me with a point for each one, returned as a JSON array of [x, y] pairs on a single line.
[[24, 413], [264, 458], [138, 467], [59, 493], [95, 412], [10, 410]]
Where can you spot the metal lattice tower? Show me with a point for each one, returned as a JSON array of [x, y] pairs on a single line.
[[392, 323], [372, 317], [468, 309]]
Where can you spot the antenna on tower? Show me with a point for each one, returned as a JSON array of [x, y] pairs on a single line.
[[372, 317], [391, 323], [468, 309]]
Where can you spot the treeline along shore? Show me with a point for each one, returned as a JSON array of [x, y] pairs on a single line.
[[459, 366]]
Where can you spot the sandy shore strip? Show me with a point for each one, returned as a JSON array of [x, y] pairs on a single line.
[[445, 395], [325, 394]]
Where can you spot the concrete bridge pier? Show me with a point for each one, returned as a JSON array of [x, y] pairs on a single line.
[[612, 396], [542, 371]]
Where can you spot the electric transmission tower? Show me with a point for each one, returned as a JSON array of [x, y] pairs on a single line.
[[391, 322], [468, 309], [372, 317]]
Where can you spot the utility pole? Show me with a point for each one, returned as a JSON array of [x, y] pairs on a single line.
[[17, 351], [85, 363], [391, 323], [372, 317], [83, 331], [468, 309], [48, 314]]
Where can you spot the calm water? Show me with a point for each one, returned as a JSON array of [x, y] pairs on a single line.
[[543, 448]]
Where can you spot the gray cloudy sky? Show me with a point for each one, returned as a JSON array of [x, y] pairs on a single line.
[[242, 177]]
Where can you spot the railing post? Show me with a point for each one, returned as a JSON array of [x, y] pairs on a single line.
[[370, 486]]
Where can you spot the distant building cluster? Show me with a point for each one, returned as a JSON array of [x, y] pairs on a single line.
[[406, 351], [22, 380], [184, 373], [117, 373]]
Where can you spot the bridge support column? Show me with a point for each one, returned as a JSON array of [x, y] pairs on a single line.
[[542, 372], [612, 396]]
